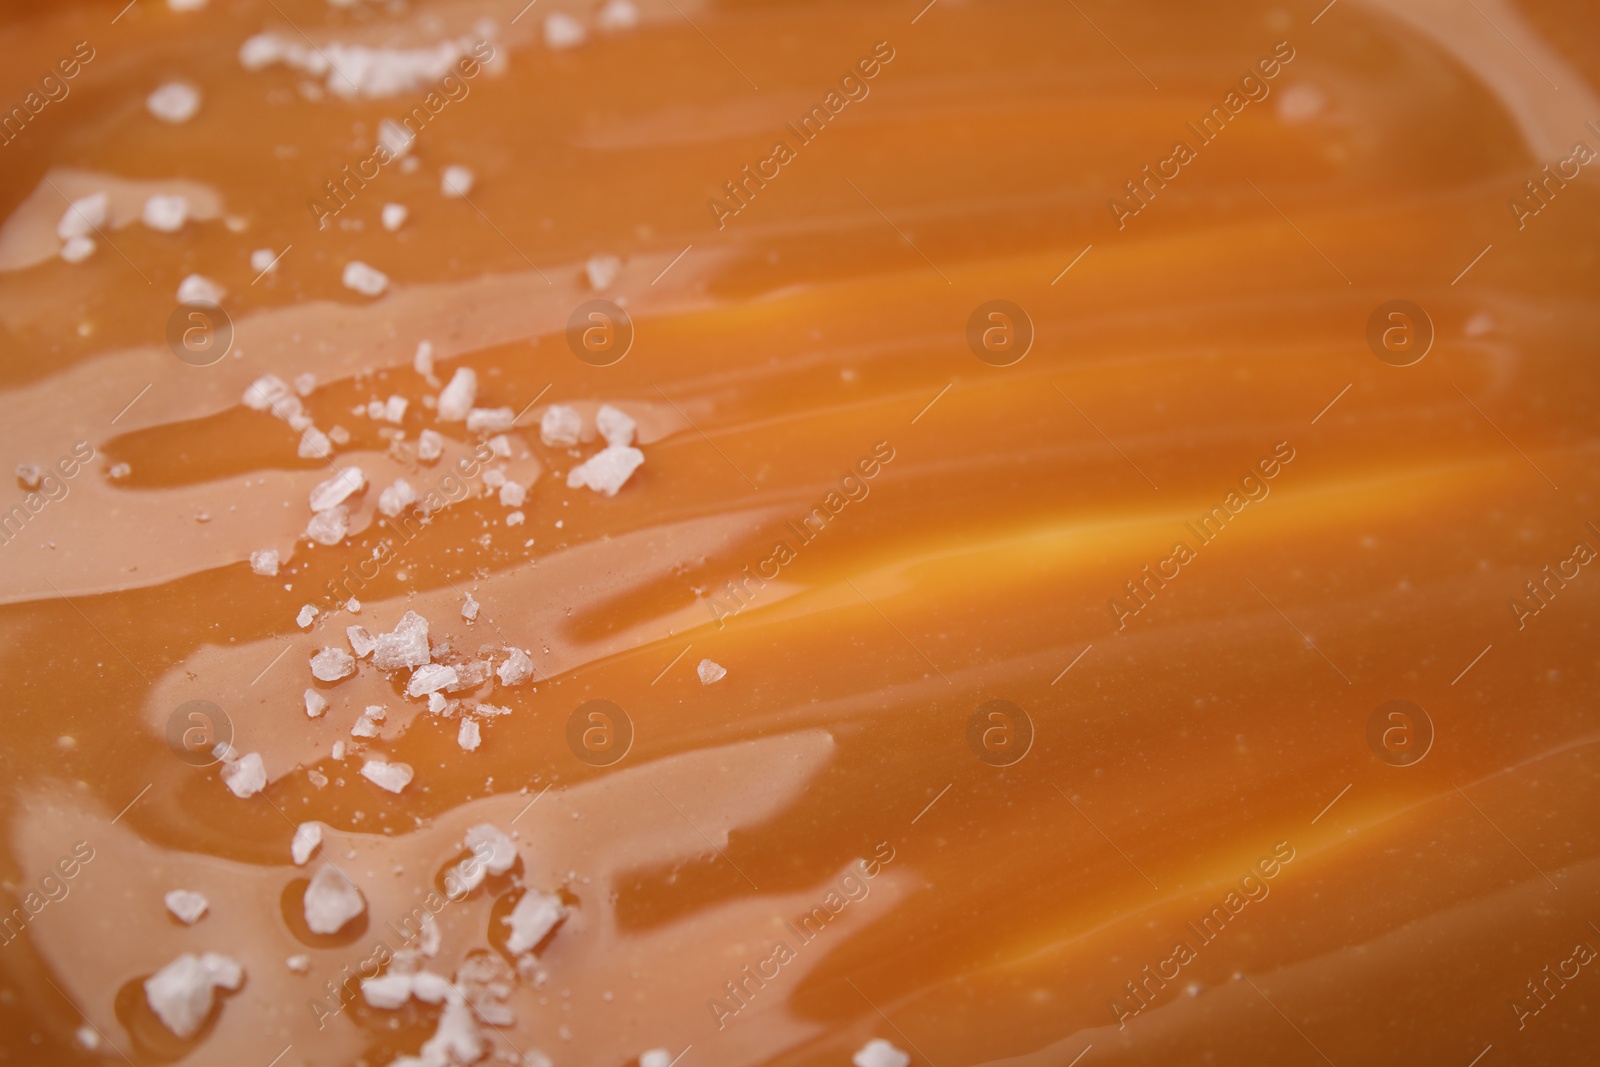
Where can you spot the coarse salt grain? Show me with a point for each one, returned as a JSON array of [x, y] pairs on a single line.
[[615, 425], [385, 775], [165, 213], [83, 216], [430, 678], [656, 1057], [77, 249], [364, 727], [430, 445], [517, 668], [456, 182], [314, 444], [329, 527], [368, 281], [245, 776], [394, 216], [711, 671], [186, 905], [332, 664], [315, 705], [535, 915], [298, 964], [563, 31], [512, 494], [337, 489], [174, 102], [331, 901], [422, 362], [182, 993], [455, 402], [501, 850], [560, 426], [307, 836], [468, 736], [490, 420], [264, 561], [607, 470], [307, 616], [602, 271], [515, 518], [394, 499], [198, 289], [394, 409], [618, 15], [361, 642], [405, 646], [469, 608], [880, 1053]]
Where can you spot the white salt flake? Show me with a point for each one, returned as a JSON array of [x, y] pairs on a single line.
[[263, 260], [368, 281], [361, 642], [77, 249], [517, 668], [307, 836], [430, 678], [469, 608], [535, 915], [83, 216], [264, 561], [329, 527], [457, 182], [495, 851], [711, 671], [656, 1057], [298, 964], [315, 705], [607, 470], [560, 426], [338, 489], [385, 775], [437, 703], [394, 409], [405, 646], [314, 444], [182, 993], [468, 736], [265, 393], [331, 664], [186, 905], [387, 991], [879, 1053], [615, 426], [394, 216], [515, 518], [512, 494], [456, 400], [174, 102], [331, 901], [422, 362], [364, 727], [165, 213], [430, 445], [307, 616], [246, 776], [602, 271], [198, 289], [563, 31], [490, 420], [396, 498], [618, 15]]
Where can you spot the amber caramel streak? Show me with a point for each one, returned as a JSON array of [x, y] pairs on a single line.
[[1031, 911]]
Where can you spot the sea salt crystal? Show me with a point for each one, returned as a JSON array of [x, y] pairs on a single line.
[[368, 281], [364, 727], [329, 527], [456, 399], [337, 490], [361, 642], [314, 444], [656, 1057], [331, 901], [353, 606], [198, 289], [315, 705], [430, 445], [517, 668], [467, 736], [307, 836], [265, 392], [307, 616], [560, 426], [512, 494], [457, 181], [338, 750], [338, 435], [396, 498], [394, 409], [563, 31], [405, 646], [377, 712], [615, 426], [331, 664], [469, 608], [618, 15], [430, 937], [437, 703], [515, 518], [394, 216], [602, 271], [710, 671], [387, 991], [83, 216], [264, 561], [502, 852], [186, 905], [607, 470], [298, 964], [174, 102], [879, 1053], [183, 992], [391, 776], [262, 260], [77, 249], [422, 362], [430, 678], [165, 213], [395, 137], [456, 1040], [535, 915], [500, 445], [490, 420], [246, 776]]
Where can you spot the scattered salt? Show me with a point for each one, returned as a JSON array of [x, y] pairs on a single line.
[[264, 561], [394, 216], [368, 281], [165, 213], [430, 445], [535, 915], [469, 608], [337, 489], [198, 289], [315, 705], [182, 993], [468, 736], [405, 646], [361, 642], [331, 664], [456, 400], [77, 249], [502, 851], [515, 518], [607, 470], [314, 444], [307, 836], [394, 499], [512, 494], [364, 727], [615, 425], [391, 776], [711, 672], [298, 964], [246, 776], [457, 182], [186, 905], [560, 426], [422, 362], [430, 678], [331, 901], [307, 616], [394, 409], [174, 102], [656, 1057], [517, 668], [329, 527]]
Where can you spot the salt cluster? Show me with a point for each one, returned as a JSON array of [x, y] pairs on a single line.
[[517, 668], [404, 646], [615, 425], [357, 70], [560, 426], [364, 279], [245, 776], [183, 992]]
